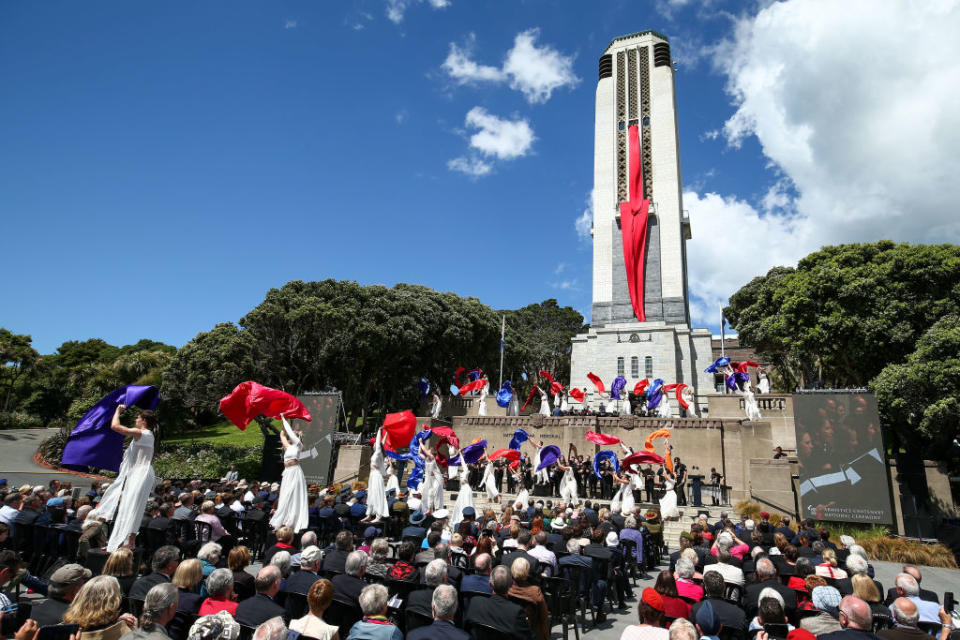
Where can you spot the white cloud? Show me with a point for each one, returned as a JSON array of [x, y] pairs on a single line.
[[566, 285], [396, 9], [856, 108], [503, 139], [584, 223], [290, 24], [713, 134], [535, 71], [401, 116], [472, 166]]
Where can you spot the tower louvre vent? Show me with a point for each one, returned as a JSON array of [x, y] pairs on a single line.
[[661, 54], [606, 67]]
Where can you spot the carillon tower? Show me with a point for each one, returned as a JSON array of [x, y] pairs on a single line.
[[640, 325]]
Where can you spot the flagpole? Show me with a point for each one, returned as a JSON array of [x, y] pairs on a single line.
[[722, 334], [503, 330]]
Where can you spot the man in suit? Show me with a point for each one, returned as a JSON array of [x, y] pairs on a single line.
[[454, 574], [591, 585], [425, 556], [908, 587], [165, 561], [62, 588], [444, 606], [301, 581], [499, 612], [731, 616], [184, 510], [784, 528], [479, 580], [767, 577], [855, 620], [256, 610], [434, 574], [923, 594], [906, 615], [163, 523], [681, 471], [350, 583], [523, 541], [336, 559]]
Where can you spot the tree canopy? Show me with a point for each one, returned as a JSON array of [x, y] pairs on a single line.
[[847, 311]]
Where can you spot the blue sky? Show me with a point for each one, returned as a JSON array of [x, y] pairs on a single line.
[[163, 165]]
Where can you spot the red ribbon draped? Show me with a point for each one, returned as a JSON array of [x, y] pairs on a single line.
[[530, 397], [250, 399], [600, 438], [577, 394], [597, 382], [633, 227], [476, 385]]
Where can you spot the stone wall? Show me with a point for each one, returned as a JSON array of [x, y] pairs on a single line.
[[776, 409]]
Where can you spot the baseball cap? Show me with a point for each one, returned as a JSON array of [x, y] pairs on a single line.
[[310, 555], [70, 574]]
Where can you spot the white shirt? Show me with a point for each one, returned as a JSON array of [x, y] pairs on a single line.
[[7, 514], [545, 556], [730, 573]]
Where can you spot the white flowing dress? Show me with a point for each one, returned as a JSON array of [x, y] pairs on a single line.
[[514, 409], [523, 496], [541, 477], [482, 405], [127, 496], [464, 497], [691, 402], [376, 490], [432, 491], [292, 507], [668, 503], [437, 405], [544, 403], [392, 481], [763, 386], [568, 487], [564, 405], [627, 501], [489, 482]]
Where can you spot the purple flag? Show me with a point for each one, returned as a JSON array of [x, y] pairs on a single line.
[[548, 455], [92, 443], [473, 452]]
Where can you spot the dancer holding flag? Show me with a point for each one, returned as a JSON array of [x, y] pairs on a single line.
[[489, 482], [544, 402], [292, 506], [482, 404], [127, 496], [568, 484], [436, 406], [377, 509], [432, 488]]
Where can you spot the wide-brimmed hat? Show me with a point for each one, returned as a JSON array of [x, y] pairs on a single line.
[[417, 517]]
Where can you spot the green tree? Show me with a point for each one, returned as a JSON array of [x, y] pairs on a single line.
[[538, 337], [847, 311], [207, 368], [17, 358], [920, 397]]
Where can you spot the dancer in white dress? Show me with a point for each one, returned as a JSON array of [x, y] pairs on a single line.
[[627, 501], [127, 496], [663, 409], [292, 507], [482, 404], [568, 484], [691, 409], [668, 503], [489, 482], [432, 486], [514, 409], [524, 495], [763, 386], [464, 496], [393, 482], [542, 477], [544, 403], [564, 405], [377, 508], [436, 406]]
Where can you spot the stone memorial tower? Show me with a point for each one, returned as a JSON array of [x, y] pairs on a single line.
[[640, 326]]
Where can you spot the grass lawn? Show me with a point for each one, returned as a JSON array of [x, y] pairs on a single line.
[[223, 433]]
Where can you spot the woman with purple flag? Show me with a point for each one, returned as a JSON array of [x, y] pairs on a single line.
[[124, 500]]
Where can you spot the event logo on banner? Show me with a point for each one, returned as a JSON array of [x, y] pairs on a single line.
[[843, 476], [318, 435]]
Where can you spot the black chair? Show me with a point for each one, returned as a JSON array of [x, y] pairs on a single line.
[[246, 633], [629, 548], [733, 593], [881, 621], [96, 560], [933, 628], [202, 532], [466, 596], [414, 619], [179, 626], [343, 615], [480, 631], [297, 605], [562, 602], [57, 632], [403, 588], [581, 583], [135, 607]]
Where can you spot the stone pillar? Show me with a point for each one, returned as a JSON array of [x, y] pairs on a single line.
[[353, 464]]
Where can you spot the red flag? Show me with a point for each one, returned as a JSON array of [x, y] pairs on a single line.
[[509, 454], [555, 387], [250, 399], [679, 392], [577, 394], [476, 385], [399, 429], [742, 366], [530, 397], [456, 375], [600, 438], [641, 457], [513, 465], [640, 387], [597, 382]]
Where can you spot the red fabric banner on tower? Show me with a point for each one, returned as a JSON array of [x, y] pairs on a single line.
[[633, 227]]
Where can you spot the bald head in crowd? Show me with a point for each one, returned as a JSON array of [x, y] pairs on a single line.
[[855, 614]]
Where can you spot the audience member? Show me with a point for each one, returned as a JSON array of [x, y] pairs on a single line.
[[374, 625], [312, 625]]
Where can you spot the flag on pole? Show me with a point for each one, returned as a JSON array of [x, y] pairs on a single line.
[[503, 332], [723, 322]]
